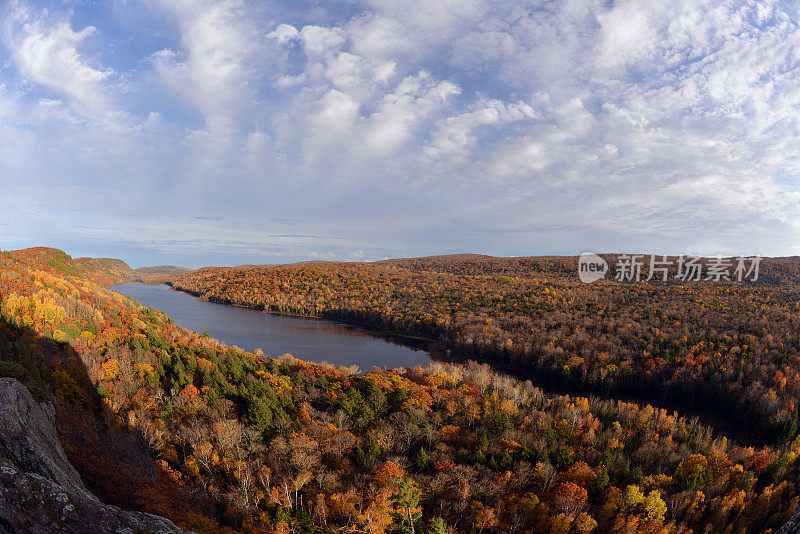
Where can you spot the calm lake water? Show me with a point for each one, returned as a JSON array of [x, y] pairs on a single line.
[[316, 340]]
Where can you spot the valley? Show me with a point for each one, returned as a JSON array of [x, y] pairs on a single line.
[[216, 438]]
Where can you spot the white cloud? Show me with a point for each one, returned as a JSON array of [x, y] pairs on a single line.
[[46, 51], [454, 135], [547, 123], [334, 119], [400, 112], [283, 33], [320, 40], [213, 69]]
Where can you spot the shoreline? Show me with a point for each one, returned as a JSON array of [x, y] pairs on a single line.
[[542, 378], [350, 322], [433, 347]]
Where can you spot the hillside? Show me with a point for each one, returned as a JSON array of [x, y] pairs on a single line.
[[772, 270], [159, 419], [728, 351], [162, 269], [103, 271]]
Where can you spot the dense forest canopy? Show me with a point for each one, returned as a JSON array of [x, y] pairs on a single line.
[[222, 440], [729, 350]]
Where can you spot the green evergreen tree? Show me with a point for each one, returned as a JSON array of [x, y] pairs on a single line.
[[406, 500], [437, 526]]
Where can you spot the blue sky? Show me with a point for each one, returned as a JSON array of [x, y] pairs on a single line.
[[201, 132]]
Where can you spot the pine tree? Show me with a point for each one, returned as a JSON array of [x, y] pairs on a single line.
[[406, 501]]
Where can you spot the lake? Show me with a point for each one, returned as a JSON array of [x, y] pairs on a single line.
[[316, 340]]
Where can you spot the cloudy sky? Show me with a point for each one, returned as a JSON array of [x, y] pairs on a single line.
[[204, 132]]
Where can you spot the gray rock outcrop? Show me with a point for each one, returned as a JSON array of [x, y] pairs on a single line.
[[40, 491], [792, 526]]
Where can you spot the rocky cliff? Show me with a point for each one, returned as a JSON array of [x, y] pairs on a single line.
[[792, 526], [39, 490]]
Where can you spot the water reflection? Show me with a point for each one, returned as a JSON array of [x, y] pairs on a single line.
[[317, 340]]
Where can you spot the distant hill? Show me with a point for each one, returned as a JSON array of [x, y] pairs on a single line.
[[162, 269], [103, 271], [778, 270]]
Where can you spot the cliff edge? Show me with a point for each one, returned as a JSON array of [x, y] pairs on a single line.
[[39, 490]]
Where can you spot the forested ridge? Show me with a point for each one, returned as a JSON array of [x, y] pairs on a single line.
[[221, 440], [727, 350]]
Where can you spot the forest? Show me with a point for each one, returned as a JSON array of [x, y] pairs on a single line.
[[169, 421], [728, 351]]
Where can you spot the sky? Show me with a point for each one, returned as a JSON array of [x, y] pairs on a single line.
[[203, 132]]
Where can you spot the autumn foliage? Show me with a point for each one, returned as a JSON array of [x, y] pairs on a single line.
[[729, 351], [220, 439]]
